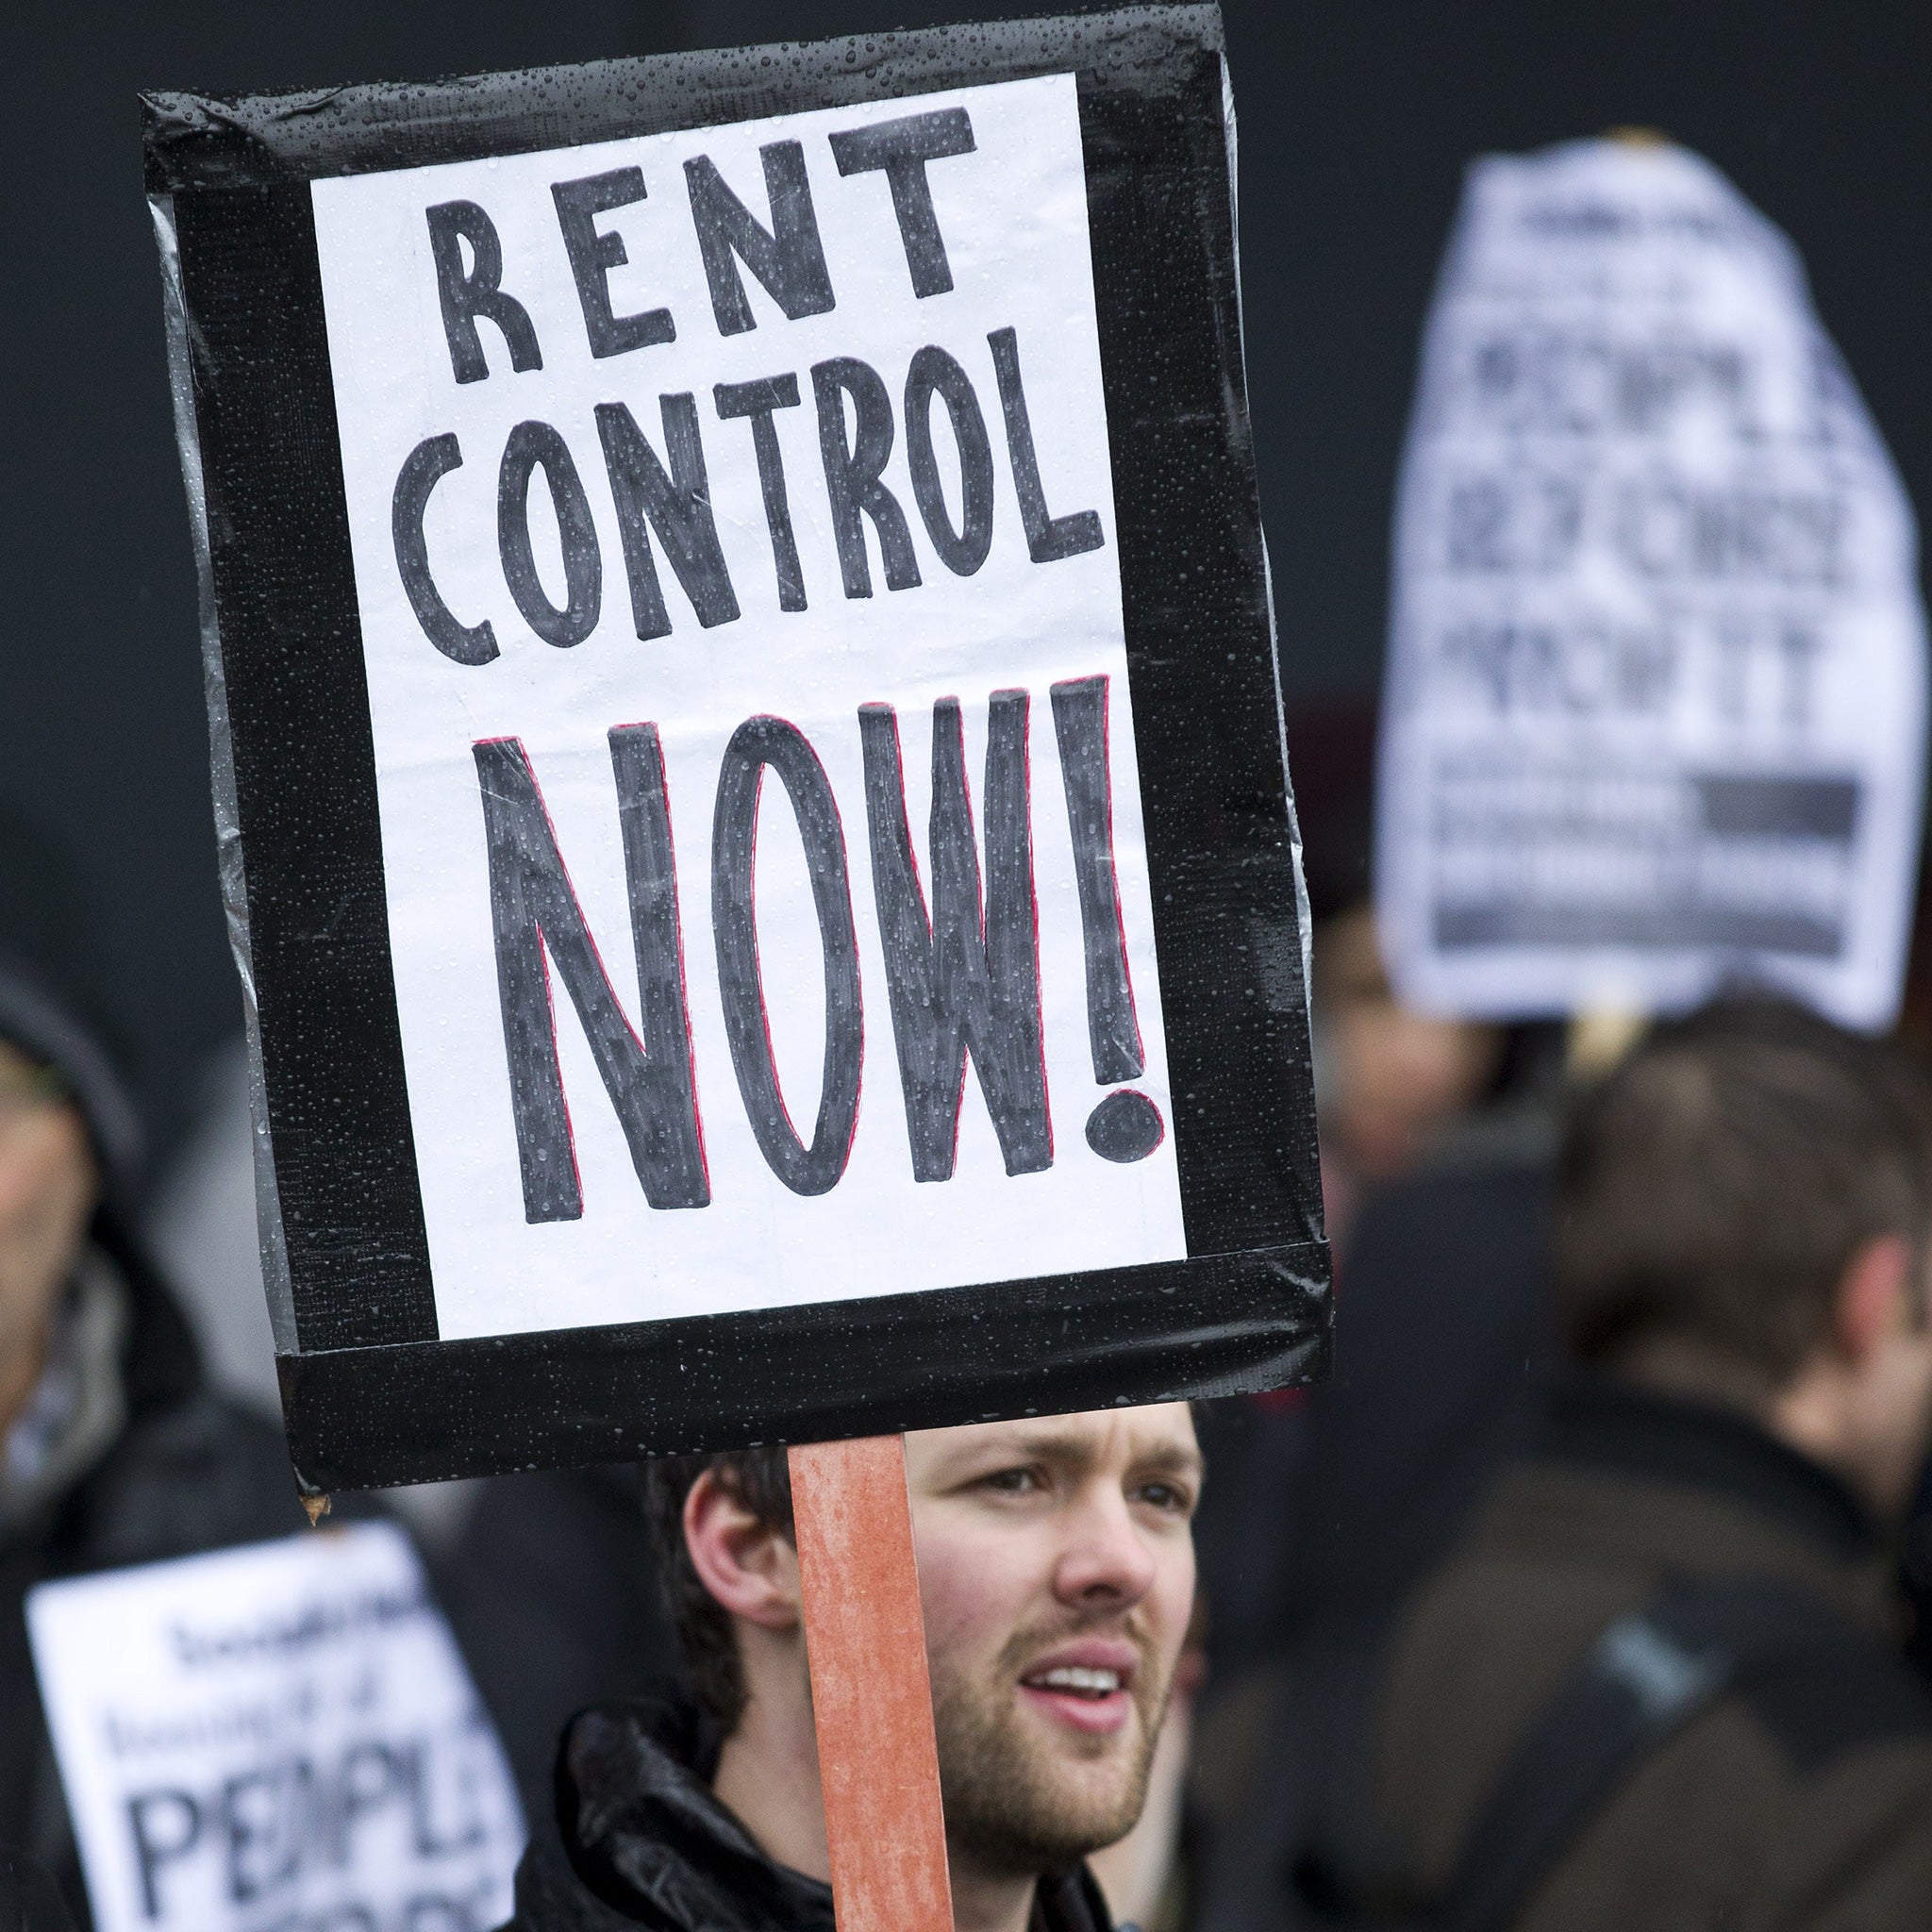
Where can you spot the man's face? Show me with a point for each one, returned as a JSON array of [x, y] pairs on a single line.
[[46, 1193], [1897, 1398], [1057, 1572]]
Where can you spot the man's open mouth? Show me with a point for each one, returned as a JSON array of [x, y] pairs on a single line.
[[1085, 1686], [1076, 1679]]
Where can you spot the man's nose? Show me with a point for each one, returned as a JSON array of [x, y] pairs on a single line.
[[1104, 1561]]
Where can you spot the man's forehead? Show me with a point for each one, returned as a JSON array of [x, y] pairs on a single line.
[[1160, 1436]]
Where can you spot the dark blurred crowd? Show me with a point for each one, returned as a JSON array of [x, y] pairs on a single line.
[[1582, 1595]]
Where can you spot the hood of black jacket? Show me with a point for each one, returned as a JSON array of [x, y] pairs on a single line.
[[54, 1002], [638, 1839], [645, 1835]]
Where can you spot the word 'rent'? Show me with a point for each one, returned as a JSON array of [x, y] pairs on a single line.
[[663, 497]]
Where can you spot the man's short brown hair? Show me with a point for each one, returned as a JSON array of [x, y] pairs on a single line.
[[761, 1479], [1712, 1190]]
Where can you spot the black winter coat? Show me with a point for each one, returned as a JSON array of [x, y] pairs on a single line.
[[639, 1839]]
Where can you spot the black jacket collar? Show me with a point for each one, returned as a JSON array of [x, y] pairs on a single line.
[[638, 1839], [1606, 1422]]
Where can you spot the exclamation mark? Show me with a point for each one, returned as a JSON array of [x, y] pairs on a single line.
[[1126, 1125]]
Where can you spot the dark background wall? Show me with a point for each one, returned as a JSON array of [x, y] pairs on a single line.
[[1357, 118]]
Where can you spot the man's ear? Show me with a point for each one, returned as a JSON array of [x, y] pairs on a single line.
[[749, 1567], [1874, 1296]]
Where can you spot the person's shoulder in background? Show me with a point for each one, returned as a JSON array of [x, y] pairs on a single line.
[[1801, 1793], [193, 1469]]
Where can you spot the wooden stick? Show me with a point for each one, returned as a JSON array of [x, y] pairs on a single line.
[[871, 1698]]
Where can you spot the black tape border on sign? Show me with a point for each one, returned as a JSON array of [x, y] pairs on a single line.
[[304, 767], [265, 140], [420, 1413], [1199, 639]]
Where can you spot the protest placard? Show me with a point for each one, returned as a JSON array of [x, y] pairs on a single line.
[[1655, 715], [279, 1736], [747, 742]]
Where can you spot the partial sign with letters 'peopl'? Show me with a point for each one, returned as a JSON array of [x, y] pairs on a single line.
[[745, 705], [1656, 712], [283, 1736]]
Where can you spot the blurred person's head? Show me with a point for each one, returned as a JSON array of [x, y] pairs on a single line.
[[1742, 1214], [68, 1128], [1392, 1076], [1388, 1078], [48, 1189], [1056, 1578]]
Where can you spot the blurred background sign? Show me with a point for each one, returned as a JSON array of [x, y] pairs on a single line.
[[278, 1735], [1654, 713]]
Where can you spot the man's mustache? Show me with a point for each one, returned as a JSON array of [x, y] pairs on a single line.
[[1129, 1626]]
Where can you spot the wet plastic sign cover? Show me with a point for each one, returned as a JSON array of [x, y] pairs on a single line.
[[281, 1735], [1657, 698], [746, 725], [740, 594]]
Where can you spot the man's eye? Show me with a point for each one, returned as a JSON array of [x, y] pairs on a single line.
[[1167, 1496], [1012, 1482]]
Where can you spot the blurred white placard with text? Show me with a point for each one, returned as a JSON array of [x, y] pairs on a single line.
[[281, 1738], [1655, 709]]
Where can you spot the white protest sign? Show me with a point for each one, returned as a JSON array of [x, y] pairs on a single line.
[[704, 488], [1656, 705], [275, 1739], [746, 737]]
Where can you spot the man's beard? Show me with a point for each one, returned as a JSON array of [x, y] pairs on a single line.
[[1012, 1805]]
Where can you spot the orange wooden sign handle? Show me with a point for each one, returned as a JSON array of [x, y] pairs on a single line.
[[871, 1699]]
